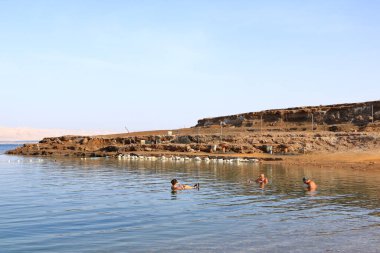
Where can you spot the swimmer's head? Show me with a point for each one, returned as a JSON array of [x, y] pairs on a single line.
[[305, 179], [174, 181]]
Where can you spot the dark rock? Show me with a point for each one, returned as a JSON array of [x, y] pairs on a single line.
[[183, 139], [333, 128], [110, 149]]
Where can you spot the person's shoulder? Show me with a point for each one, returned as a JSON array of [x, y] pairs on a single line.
[[177, 187]]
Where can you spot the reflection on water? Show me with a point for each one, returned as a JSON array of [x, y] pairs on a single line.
[[107, 205]]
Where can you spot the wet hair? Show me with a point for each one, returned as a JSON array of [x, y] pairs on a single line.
[[174, 181]]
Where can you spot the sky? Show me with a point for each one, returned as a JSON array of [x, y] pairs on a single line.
[[106, 65]]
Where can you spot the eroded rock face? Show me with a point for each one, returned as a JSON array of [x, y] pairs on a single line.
[[356, 113], [276, 142]]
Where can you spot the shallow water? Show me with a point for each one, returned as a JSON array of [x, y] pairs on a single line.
[[107, 205]]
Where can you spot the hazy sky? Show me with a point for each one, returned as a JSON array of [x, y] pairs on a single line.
[[104, 65]]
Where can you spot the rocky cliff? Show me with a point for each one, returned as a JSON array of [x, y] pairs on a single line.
[[324, 117]]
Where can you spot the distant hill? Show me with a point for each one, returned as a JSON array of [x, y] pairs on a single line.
[[11, 134]]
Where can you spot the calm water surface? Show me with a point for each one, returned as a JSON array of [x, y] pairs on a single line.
[[107, 205]]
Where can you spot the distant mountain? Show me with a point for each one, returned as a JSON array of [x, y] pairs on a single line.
[[23, 134], [17, 142]]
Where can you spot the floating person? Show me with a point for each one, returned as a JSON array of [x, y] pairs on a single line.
[[177, 186], [262, 179], [311, 185]]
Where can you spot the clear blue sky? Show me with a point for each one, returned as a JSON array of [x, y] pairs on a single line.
[[166, 64]]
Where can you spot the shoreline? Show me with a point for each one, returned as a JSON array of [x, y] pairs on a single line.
[[353, 159], [357, 159], [323, 149], [361, 160]]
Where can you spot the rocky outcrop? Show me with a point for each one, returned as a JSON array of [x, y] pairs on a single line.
[[357, 114], [233, 144]]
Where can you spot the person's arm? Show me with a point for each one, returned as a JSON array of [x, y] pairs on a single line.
[[182, 187]]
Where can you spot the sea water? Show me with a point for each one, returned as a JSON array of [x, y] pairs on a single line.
[[110, 205]]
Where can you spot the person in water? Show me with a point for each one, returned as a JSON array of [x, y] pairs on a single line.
[[262, 179], [311, 185], [177, 186]]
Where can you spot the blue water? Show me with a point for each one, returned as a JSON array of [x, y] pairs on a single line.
[[108, 205]]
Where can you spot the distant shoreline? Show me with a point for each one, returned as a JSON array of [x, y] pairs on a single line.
[[18, 142]]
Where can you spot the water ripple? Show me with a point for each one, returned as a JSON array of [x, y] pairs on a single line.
[[70, 205]]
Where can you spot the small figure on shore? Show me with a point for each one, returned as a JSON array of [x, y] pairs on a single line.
[[262, 179], [311, 185], [177, 186]]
